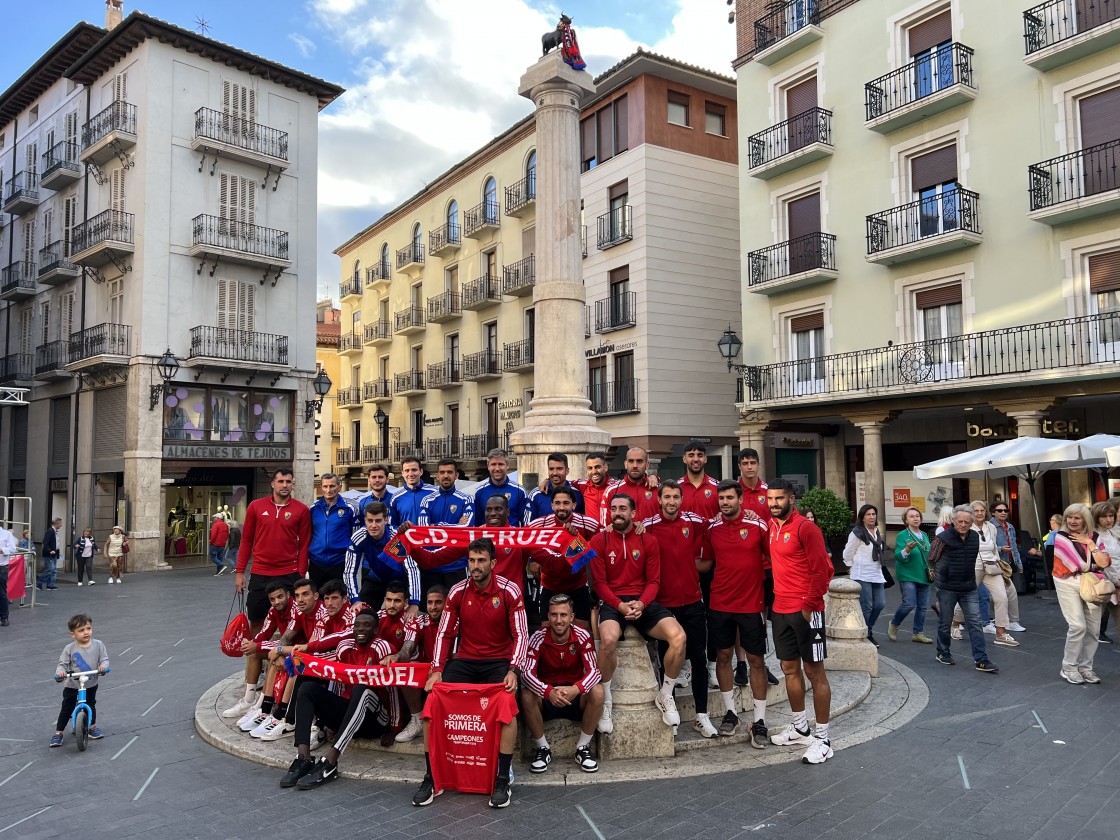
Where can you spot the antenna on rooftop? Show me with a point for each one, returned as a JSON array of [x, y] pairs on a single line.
[[202, 26]]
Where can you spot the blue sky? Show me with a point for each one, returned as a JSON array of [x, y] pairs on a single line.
[[428, 81]]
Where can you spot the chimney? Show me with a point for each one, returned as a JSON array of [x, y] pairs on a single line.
[[114, 11]]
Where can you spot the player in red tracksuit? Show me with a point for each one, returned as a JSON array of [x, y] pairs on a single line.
[[638, 486], [555, 572], [281, 615], [596, 488], [754, 488], [698, 489], [397, 629], [562, 679]]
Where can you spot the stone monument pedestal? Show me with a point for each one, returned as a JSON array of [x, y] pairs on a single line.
[[639, 731], [846, 631]]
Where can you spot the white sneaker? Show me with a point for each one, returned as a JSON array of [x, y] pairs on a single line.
[[1007, 640], [668, 706], [1017, 627], [990, 628], [789, 736], [110, 580], [414, 728], [79, 583], [278, 730], [956, 633], [684, 678], [263, 726], [712, 681], [703, 725], [91, 582], [251, 719], [238, 709], [606, 725], [1070, 675], [318, 737], [119, 580], [819, 752]]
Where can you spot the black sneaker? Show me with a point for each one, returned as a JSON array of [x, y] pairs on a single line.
[[760, 736], [770, 678], [871, 638], [742, 675], [585, 760], [322, 773], [426, 792], [541, 761], [729, 725], [299, 768], [987, 667], [945, 659], [503, 793]]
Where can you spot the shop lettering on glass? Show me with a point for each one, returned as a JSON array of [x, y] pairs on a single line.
[[225, 452], [1050, 428], [604, 349]]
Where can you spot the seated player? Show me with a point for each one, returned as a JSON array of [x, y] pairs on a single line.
[[561, 680], [428, 624], [281, 615], [398, 629], [555, 572], [366, 573], [355, 712]]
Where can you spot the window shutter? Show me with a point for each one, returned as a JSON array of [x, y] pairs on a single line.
[[621, 125], [804, 215], [941, 296], [251, 110], [32, 157], [66, 316], [249, 292], [927, 35], [249, 197], [587, 137], [116, 190], [528, 241], [48, 226], [120, 87], [60, 432], [619, 190], [108, 427], [1100, 117], [70, 216], [1104, 273], [25, 331], [804, 323], [933, 168], [223, 199], [223, 303], [801, 98], [605, 116], [29, 241], [19, 439], [45, 317], [72, 127]]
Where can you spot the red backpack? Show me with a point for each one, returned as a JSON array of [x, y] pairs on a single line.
[[237, 627]]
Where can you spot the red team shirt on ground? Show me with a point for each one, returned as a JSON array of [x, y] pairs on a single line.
[[268, 534], [464, 729], [702, 500], [739, 547], [625, 567], [680, 542], [494, 617], [802, 569], [549, 664]]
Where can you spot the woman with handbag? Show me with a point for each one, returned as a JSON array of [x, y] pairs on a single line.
[[116, 547], [1078, 551], [911, 551], [989, 573], [863, 554], [1104, 519], [84, 549]]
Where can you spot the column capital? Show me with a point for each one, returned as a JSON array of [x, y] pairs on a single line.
[[550, 72], [753, 420], [1025, 406], [872, 419]]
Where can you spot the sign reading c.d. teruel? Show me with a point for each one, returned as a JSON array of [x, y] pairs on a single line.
[[226, 452]]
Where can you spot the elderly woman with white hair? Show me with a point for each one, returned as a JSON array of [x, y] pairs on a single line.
[[1078, 550], [116, 547]]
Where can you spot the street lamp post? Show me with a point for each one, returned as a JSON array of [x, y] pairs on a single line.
[[729, 346], [167, 367], [382, 421], [322, 386]]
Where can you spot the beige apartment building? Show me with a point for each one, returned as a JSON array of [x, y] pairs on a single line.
[[931, 227], [437, 343]]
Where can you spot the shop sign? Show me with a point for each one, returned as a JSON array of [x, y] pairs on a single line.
[[1050, 428], [59, 485], [226, 452], [511, 414], [604, 349], [433, 421], [513, 403], [793, 440]]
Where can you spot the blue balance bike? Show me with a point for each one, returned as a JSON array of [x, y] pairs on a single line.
[[82, 714]]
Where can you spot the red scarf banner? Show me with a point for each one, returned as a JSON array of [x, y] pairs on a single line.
[[572, 547], [400, 674]]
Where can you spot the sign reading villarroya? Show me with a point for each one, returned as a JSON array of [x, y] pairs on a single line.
[[226, 452]]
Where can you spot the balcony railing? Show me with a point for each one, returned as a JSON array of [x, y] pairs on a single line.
[[444, 374], [412, 380], [482, 292], [120, 116], [444, 238], [101, 340], [349, 342], [810, 252], [15, 367], [379, 272], [21, 192], [519, 278], [444, 307], [54, 259], [336, 429], [409, 318], [374, 454], [1011, 352], [60, 162], [441, 447], [346, 455], [477, 446], [521, 194], [615, 227], [799, 131], [616, 312], [107, 226], [518, 355], [353, 286], [18, 279], [216, 232], [485, 215], [241, 133], [1056, 21], [1078, 175], [482, 365], [239, 346], [410, 255], [376, 389], [784, 21], [408, 449], [348, 397], [375, 332], [51, 356], [614, 397], [922, 77], [955, 209]]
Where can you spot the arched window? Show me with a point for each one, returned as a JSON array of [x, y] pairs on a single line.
[[384, 261], [417, 242], [453, 221], [490, 196], [531, 174]]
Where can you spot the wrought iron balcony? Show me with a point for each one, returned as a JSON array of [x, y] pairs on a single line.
[[238, 346], [60, 165], [485, 364], [109, 133], [15, 368], [346, 456], [444, 307], [380, 272], [614, 397], [409, 320], [21, 192], [374, 454], [522, 195], [409, 382], [106, 237], [946, 222], [50, 360], [477, 446], [104, 343], [408, 449], [411, 256], [240, 242], [520, 277], [336, 429], [352, 286], [350, 342], [1071, 347], [480, 293], [927, 85], [349, 397], [55, 266], [1074, 186], [801, 139], [377, 333], [445, 374], [615, 227], [518, 355], [444, 240], [798, 262], [786, 29], [1060, 31], [17, 281], [437, 448], [376, 390], [616, 312], [481, 218], [239, 138]]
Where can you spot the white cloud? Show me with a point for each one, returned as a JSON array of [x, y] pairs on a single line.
[[699, 35], [304, 44]]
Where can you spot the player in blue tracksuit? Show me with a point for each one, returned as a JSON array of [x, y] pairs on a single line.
[[405, 504], [366, 573], [540, 500], [379, 489], [332, 524], [499, 485], [446, 505]]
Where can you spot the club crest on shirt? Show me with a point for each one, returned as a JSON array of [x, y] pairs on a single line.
[[399, 632], [742, 533], [454, 508], [785, 537], [495, 602], [684, 532], [636, 554], [483, 702], [507, 495], [649, 494], [762, 500], [341, 512], [708, 493], [288, 514], [572, 648]]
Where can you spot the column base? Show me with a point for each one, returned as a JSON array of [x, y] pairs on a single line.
[[557, 425], [639, 731]]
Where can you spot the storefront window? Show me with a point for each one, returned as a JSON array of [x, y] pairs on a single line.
[[271, 417], [229, 416], [184, 414]]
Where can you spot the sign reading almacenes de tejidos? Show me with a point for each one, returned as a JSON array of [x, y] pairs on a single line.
[[226, 452]]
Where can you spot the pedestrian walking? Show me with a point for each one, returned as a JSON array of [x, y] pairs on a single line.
[[116, 547], [85, 548]]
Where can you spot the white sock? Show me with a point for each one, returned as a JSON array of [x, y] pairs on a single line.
[[822, 731], [542, 742], [760, 710], [250, 690], [667, 687], [584, 740], [728, 700], [801, 721], [606, 692]]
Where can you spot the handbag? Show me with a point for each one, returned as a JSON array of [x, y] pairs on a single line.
[[124, 547], [1096, 589], [237, 627], [1005, 569]]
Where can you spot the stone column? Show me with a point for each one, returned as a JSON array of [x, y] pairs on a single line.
[[639, 731], [752, 435], [559, 417], [143, 467], [873, 460], [1028, 415]]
